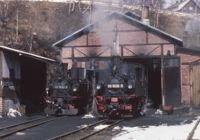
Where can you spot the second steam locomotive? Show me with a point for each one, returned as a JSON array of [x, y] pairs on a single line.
[[120, 92]]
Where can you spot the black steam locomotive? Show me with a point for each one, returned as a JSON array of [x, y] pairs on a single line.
[[68, 94], [120, 90]]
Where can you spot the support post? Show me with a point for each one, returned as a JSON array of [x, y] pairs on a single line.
[[162, 77], [94, 110]]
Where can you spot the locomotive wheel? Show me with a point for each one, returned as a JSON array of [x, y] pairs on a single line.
[[137, 111], [58, 112]]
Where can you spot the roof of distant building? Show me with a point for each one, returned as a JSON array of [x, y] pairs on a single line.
[[180, 5]]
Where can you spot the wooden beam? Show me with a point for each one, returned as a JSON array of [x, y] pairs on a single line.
[[130, 51], [162, 77], [108, 57], [81, 52], [153, 50], [147, 37], [122, 45], [127, 30]]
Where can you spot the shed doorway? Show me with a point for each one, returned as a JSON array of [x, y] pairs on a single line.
[[154, 86], [33, 83]]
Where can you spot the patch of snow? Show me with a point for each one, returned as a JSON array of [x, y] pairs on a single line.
[[82, 126], [116, 128], [159, 112], [13, 113], [161, 132], [197, 133], [100, 127], [88, 116], [20, 133]]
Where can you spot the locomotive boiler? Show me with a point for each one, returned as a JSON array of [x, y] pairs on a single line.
[[120, 89]]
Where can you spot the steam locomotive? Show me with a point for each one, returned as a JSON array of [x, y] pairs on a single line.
[[68, 94], [120, 92]]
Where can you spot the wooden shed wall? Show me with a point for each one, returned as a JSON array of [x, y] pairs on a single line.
[[186, 83], [195, 87]]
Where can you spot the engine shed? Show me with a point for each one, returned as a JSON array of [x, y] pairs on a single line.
[[23, 80], [162, 54]]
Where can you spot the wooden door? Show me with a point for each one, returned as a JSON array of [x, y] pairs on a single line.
[[172, 88], [195, 88]]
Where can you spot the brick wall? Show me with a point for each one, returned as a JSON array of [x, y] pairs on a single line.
[[103, 35]]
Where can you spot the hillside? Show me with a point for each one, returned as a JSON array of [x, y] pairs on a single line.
[[34, 26]]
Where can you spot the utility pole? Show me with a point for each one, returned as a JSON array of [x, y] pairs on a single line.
[[17, 25]]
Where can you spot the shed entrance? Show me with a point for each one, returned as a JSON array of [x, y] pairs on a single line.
[[33, 83], [163, 80]]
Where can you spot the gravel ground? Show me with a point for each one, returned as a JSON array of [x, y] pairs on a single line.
[[10, 121], [53, 128], [197, 133], [176, 126], [157, 127]]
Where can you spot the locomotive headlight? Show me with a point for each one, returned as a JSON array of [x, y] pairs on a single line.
[[109, 86], [98, 86], [74, 89], [130, 86]]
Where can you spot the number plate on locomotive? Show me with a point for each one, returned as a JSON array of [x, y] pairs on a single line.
[[114, 99]]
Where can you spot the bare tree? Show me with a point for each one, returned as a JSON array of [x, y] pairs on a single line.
[[73, 4]]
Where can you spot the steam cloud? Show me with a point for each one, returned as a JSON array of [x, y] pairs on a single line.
[[192, 34], [103, 30]]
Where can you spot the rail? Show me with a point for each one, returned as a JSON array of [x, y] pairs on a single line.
[[191, 134], [85, 132], [9, 130]]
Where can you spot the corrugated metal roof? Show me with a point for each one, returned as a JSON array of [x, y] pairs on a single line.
[[132, 20], [34, 56]]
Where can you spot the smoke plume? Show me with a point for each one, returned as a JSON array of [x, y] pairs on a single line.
[[191, 37]]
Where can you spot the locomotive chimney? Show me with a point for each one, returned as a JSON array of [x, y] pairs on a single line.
[[145, 15], [116, 47]]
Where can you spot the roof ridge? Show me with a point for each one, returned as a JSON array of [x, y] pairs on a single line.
[[85, 28]]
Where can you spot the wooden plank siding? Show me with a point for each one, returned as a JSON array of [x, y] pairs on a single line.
[[195, 81], [1, 92]]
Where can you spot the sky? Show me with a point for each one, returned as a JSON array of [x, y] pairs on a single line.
[[168, 2]]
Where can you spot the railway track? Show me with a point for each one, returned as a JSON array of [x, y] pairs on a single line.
[[9, 130], [87, 131], [191, 134]]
